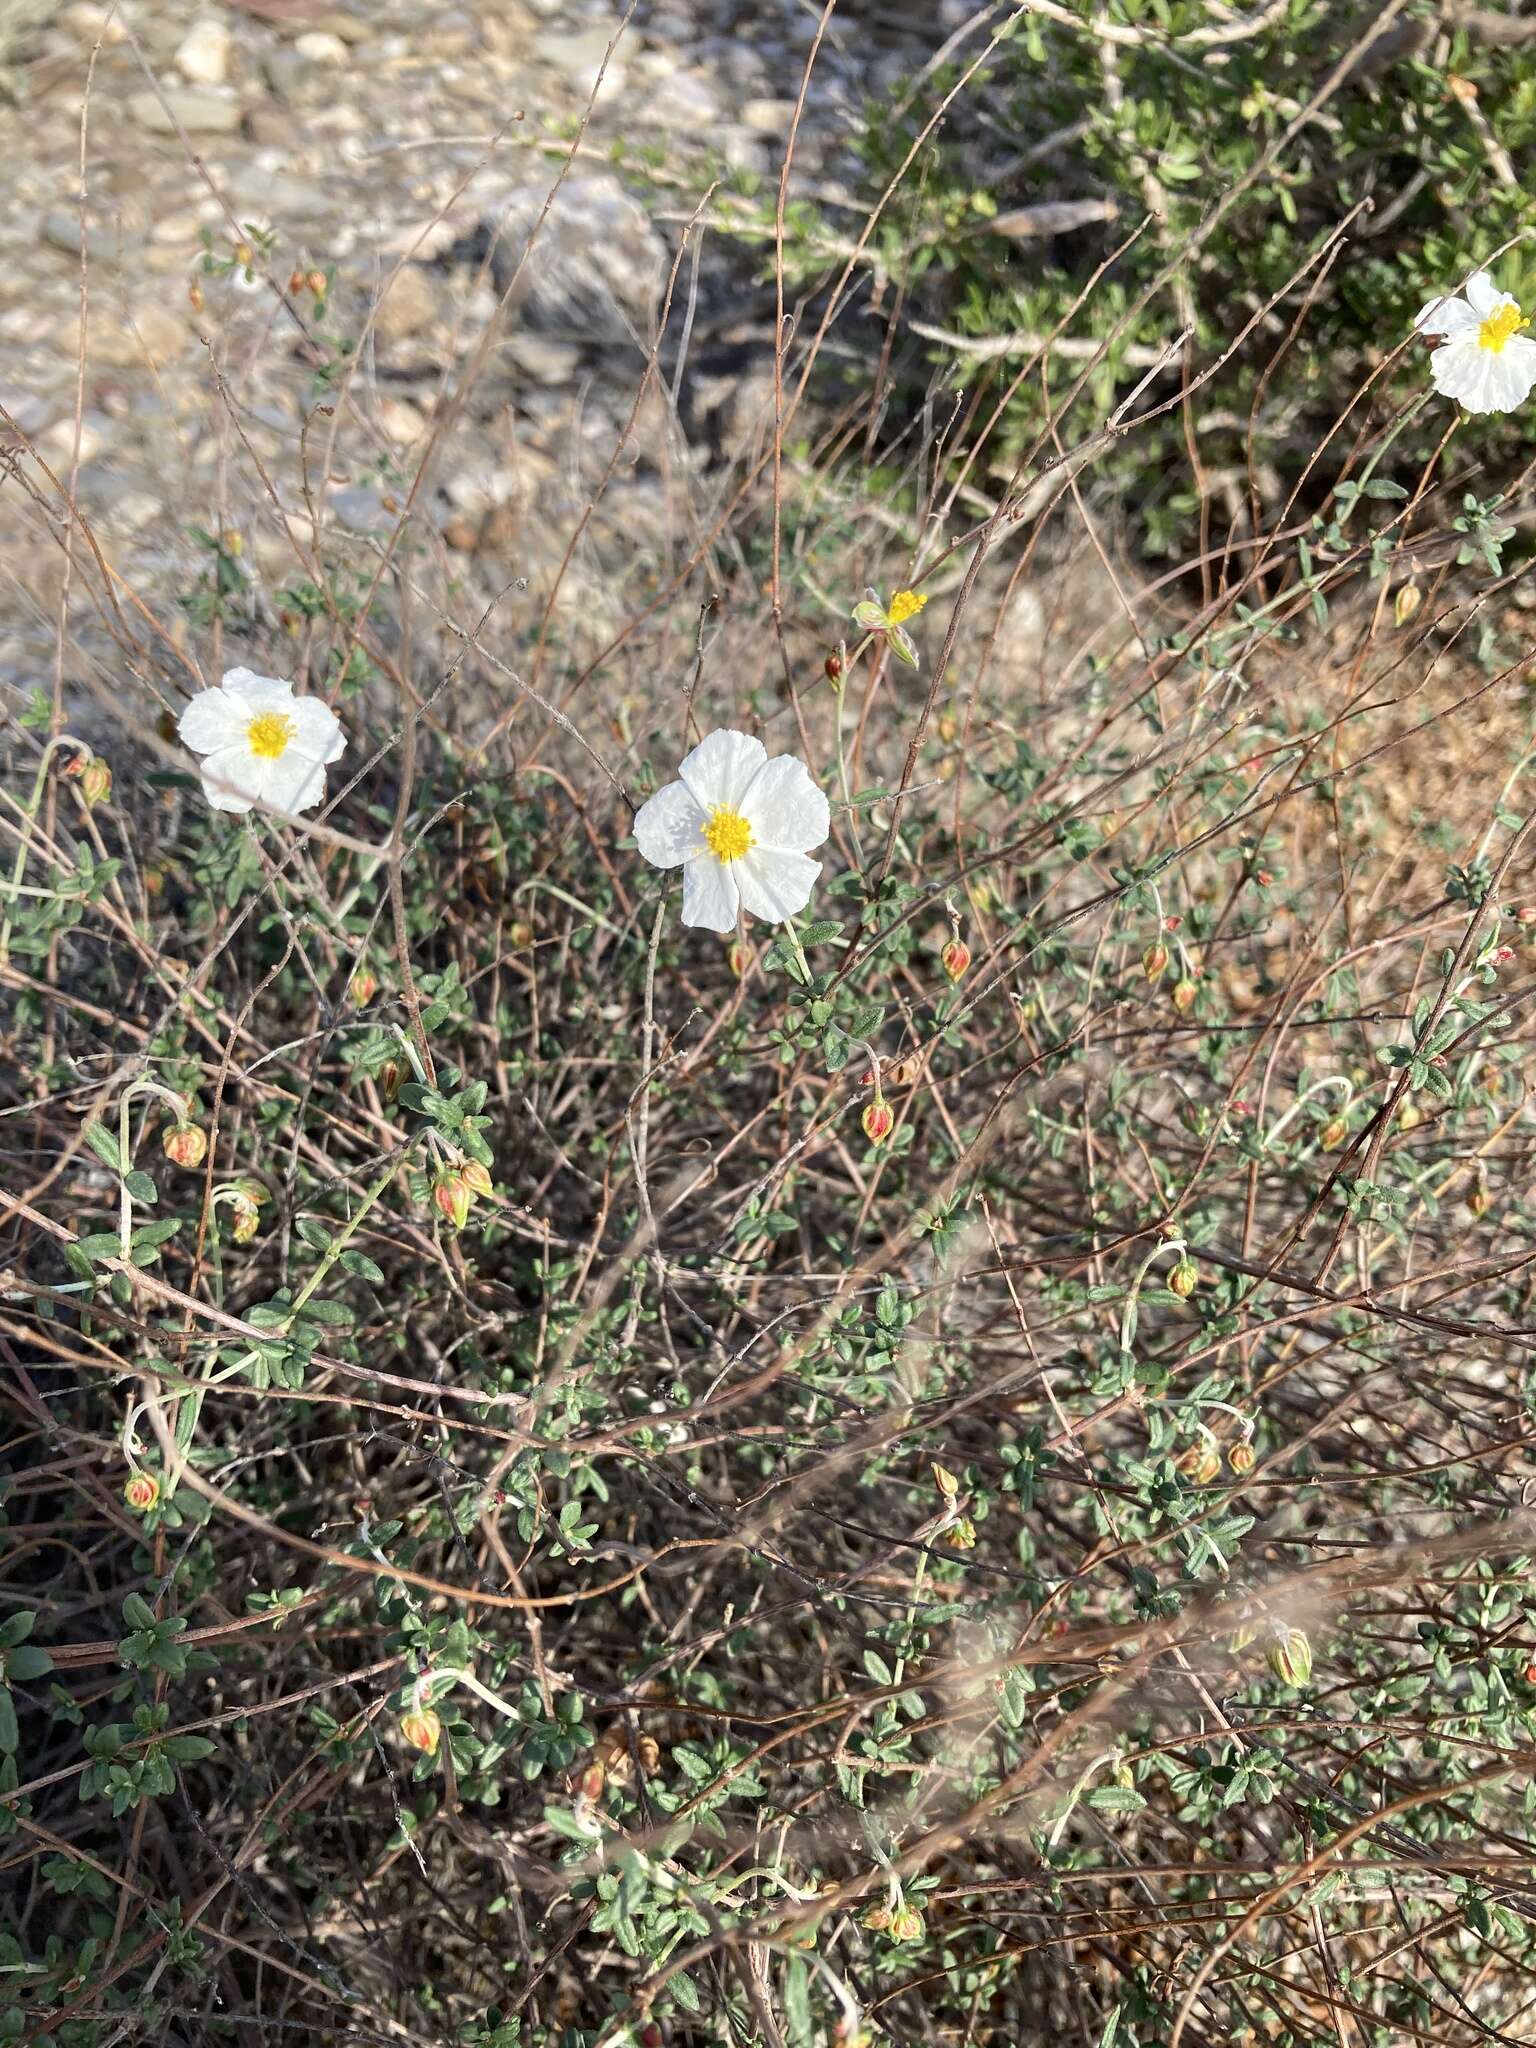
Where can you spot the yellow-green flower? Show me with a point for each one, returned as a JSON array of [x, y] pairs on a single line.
[[891, 620]]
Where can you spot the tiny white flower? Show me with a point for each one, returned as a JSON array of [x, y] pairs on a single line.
[[261, 743], [1483, 361], [740, 827]]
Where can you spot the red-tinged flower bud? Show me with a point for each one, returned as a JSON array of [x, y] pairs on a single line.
[[195, 296], [1477, 1199], [1200, 1463], [317, 283], [1154, 961], [906, 1924], [95, 779], [391, 1074], [1184, 1278], [1263, 877], [142, 1492], [833, 666], [1333, 1133], [1530, 1672], [297, 280], [422, 1730], [1527, 915], [245, 1219], [1184, 992], [1241, 1457], [185, 1144], [454, 1198], [879, 1120], [589, 1786], [478, 1176], [739, 957], [955, 959], [363, 987], [877, 1919], [1290, 1655], [651, 2036], [1406, 603]]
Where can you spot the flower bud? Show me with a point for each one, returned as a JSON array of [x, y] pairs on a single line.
[[1289, 1654], [946, 1482], [142, 1492], [422, 1730], [906, 1924], [195, 296], [879, 1120], [1526, 915], [1477, 1198], [317, 283], [1184, 1278], [1184, 992], [94, 778], [961, 1534], [391, 1074], [739, 957], [877, 1919], [1406, 603], [297, 280], [589, 1786], [1154, 961], [955, 959], [833, 666], [363, 987], [651, 2036], [478, 1176], [185, 1144], [1241, 1457], [1333, 1133], [1200, 1463], [1530, 1672], [245, 1219], [453, 1197]]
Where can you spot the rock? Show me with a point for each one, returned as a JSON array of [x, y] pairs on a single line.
[[134, 511], [544, 360], [320, 46], [61, 230], [685, 101], [595, 270], [361, 510], [767, 117], [200, 112], [577, 58], [95, 21], [409, 304], [203, 54], [30, 412], [402, 422], [116, 343], [546, 10]]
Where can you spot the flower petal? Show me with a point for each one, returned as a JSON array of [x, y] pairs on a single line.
[[230, 779], [786, 810], [213, 719], [258, 693], [317, 731], [668, 827], [775, 885], [291, 782], [721, 768], [1446, 316], [709, 894], [1482, 294]]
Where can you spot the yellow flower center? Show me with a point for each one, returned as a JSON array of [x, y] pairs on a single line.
[[727, 833], [268, 734], [906, 604], [1498, 328]]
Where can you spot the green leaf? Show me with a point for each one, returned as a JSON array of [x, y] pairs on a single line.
[[314, 1233], [104, 1145], [140, 1186]]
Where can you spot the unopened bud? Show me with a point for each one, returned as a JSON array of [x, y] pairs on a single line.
[[391, 1074], [1289, 1654], [93, 776], [1241, 1457], [297, 280], [955, 959], [946, 1482], [961, 1534], [142, 1492], [1184, 992], [1526, 914], [317, 283], [877, 1919], [363, 987], [739, 957], [1184, 1278], [833, 665], [195, 296], [185, 1144], [589, 1786], [1201, 1462], [1406, 603], [422, 1730], [245, 1219], [1477, 1198], [906, 1924], [879, 1120], [478, 1176], [453, 1196], [1530, 1672], [1333, 1133], [1154, 961]]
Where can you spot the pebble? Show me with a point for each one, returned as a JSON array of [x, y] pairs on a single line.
[[410, 304], [94, 21], [361, 510], [577, 57], [199, 111], [202, 57], [401, 421], [767, 117], [320, 46], [61, 230], [545, 360]]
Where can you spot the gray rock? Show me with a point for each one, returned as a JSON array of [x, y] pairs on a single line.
[[201, 111], [593, 274], [767, 117], [361, 510], [61, 230], [203, 53], [544, 360], [577, 58]]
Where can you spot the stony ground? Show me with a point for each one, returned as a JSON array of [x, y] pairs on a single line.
[[404, 149]]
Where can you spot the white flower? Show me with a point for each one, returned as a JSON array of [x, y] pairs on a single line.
[[261, 743], [740, 827], [1483, 361]]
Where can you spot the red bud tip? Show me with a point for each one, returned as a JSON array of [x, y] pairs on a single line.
[[879, 1121], [956, 958]]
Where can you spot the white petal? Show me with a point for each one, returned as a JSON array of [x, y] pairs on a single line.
[[786, 810], [1457, 368], [291, 783], [709, 894], [1446, 316], [213, 719], [775, 885], [317, 732], [668, 827], [1482, 294], [259, 693], [721, 768], [230, 779]]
